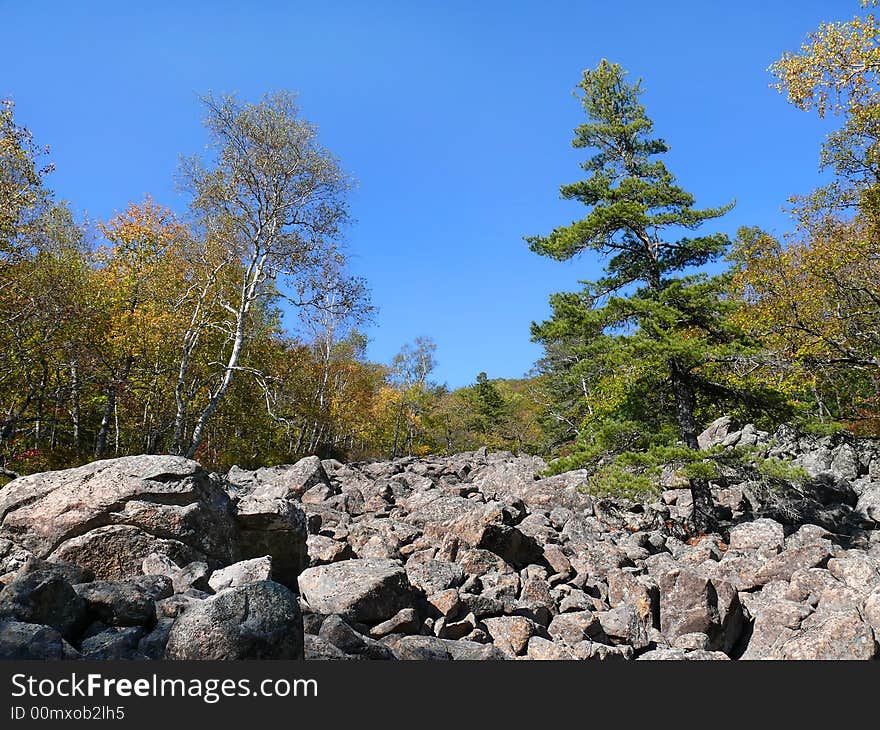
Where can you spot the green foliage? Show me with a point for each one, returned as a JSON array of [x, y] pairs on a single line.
[[615, 480], [648, 347], [781, 471]]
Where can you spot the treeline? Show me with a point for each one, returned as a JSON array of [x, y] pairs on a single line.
[[158, 332], [152, 332]]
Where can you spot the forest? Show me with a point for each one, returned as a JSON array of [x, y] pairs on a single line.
[[234, 333]]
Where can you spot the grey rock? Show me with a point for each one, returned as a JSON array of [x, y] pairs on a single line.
[[572, 628], [419, 648], [125, 602], [44, 597], [405, 621], [364, 590], [240, 573], [323, 550], [288, 482], [21, 640], [255, 621], [337, 632], [317, 648], [113, 643], [433, 576], [763, 535], [274, 527]]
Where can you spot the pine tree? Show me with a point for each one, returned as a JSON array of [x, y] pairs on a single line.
[[650, 336]]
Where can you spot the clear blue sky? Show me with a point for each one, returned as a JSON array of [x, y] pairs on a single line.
[[455, 118]]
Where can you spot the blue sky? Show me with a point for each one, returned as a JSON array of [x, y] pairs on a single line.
[[454, 117]]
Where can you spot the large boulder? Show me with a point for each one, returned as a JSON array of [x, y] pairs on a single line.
[[692, 602], [109, 515], [259, 620], [367, 591]]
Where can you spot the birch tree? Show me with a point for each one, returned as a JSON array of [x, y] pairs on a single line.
[[278, 200]]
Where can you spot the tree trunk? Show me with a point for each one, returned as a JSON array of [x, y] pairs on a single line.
[[685, 403], [397, 426], [109, 408], [703, 516], [74, 406]]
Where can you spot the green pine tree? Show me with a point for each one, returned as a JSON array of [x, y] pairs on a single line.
[[647, 343]]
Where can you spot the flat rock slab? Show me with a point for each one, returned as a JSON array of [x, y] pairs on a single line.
[[368, 591]]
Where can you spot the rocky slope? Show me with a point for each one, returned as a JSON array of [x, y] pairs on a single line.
[[464, 557]]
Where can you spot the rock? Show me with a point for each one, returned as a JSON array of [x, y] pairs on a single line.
[[576, 600], [317, 648], [287, 482], [405, 621], [716, 432], [511, 634], [640, 591], [71, 572], [274, 527], [44, 597], [774, 623], [323, 550], [240, 573], [868, 504], [691, 602], [128, 547], [482, 605], [446, 628], [473, 556], [541, 649], [764, 535], [124, 603], [842, 635], [593, 651], [175, 605], [337, 632], [447, 603], [12, 558], [433, 576], [113, 643], [192, 575], [782, 566], [624, 625], [572, 628], [855, 570], [808, 585], [152, 645], [557, 559], [682, 655], [364, 590], [20, 640], [464, 650], [107, 516], [419, 648], [156, 564], [692, 642], [255, 621], [535, 601]]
